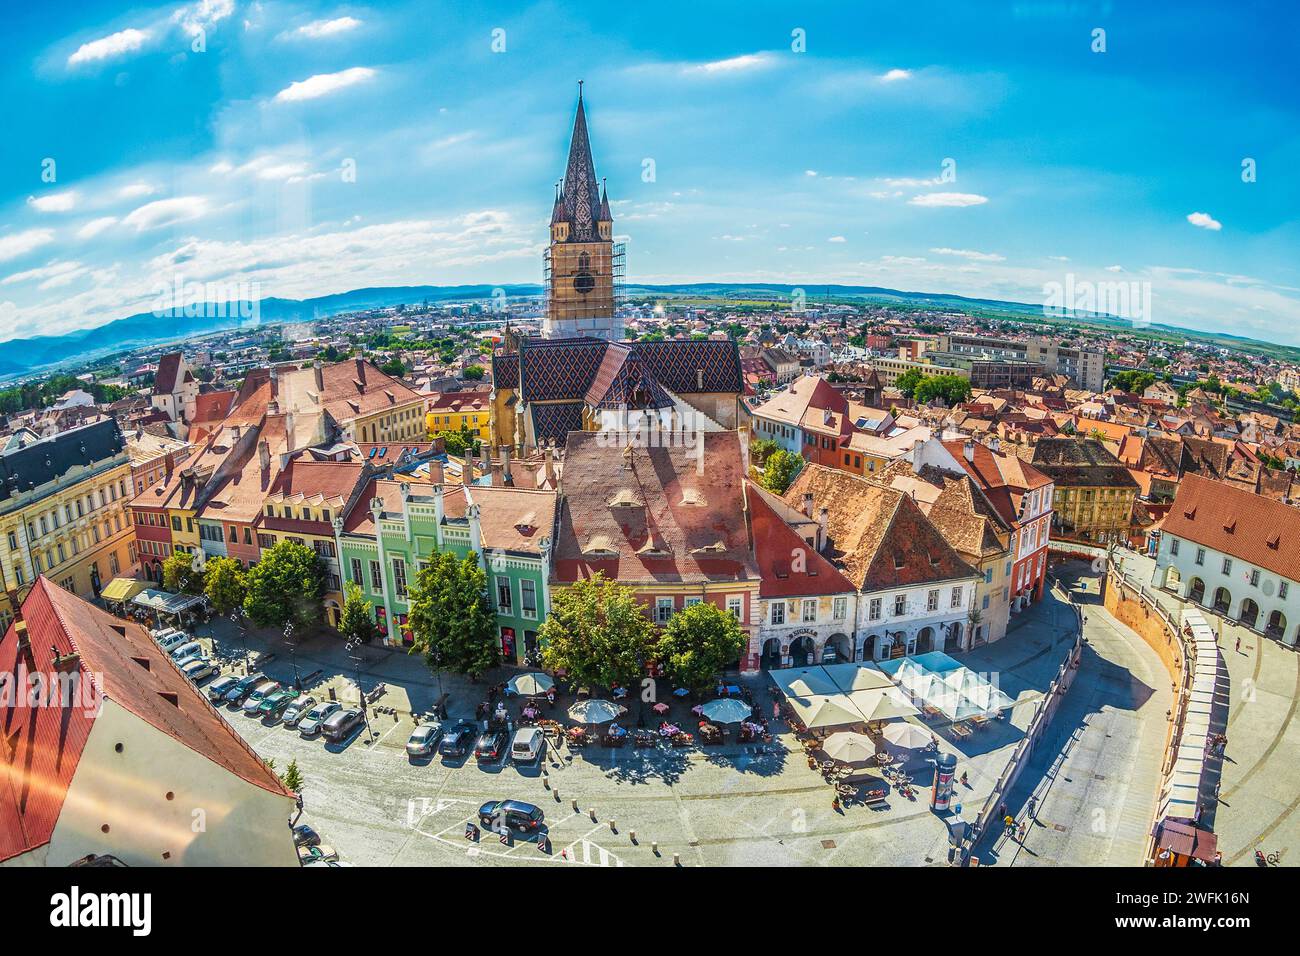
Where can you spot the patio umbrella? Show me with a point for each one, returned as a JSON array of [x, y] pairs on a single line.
[[847, 747], [595, 711], [661, 708], [726, 710], [903, 734], [531, 684]]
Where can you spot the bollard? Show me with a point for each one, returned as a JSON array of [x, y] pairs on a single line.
[[592, 812], [654, 847], [575, 805], [677, 859], [546, 783], [613, 825], [632, 835], [557, 796]]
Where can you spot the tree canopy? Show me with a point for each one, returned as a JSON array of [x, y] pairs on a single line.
[[780, 470], [697, 643], [285, 586], [450, 619], [223, 583], [179, 574], [598, 633], [357, 623], [952, 389]]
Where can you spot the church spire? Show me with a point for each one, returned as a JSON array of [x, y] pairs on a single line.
[[581, 195]]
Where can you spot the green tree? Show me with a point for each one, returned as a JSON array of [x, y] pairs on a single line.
[[1133, 381], [285, 586], [473, 372], [780, 470], [357, 622], [953, 389], [179, 574], [450, 619], [223, 583], [697, 643], [908, 381], [459, 442], [598, 633], [762, 449], [292, 777]]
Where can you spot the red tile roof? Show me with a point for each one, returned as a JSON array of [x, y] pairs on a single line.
[[1264, 532], [775, 546], [40, 747], [651, 516]]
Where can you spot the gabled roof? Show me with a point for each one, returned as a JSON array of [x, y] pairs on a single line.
[[789, 566], [41, 747], [879, 536], [168, 377], [1228, 519], [1004, 479], [1085, 463], [808, 394], [654, 515]]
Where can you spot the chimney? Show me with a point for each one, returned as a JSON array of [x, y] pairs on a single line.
[[438, 504], [505, 466], [467, 475], [264, 456], [826, 416], [808, 503], [318, 372], [273, 407], [234, 432], [549, 468], [995, 444], [486, 464], [968, 450], [361, 371], [823, 518]]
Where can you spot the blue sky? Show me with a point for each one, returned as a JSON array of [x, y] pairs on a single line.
[[214, 143]]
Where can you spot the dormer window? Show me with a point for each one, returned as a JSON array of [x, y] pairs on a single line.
[[626, 498]]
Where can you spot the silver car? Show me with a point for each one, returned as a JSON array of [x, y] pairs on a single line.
[[297, 711], [254, 700], [423, 739], [199, 668], [310, 724]]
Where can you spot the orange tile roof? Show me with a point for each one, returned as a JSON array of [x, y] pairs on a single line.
[[1264, 532]]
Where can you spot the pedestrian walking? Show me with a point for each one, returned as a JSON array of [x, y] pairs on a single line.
[[1033, 802], [1238, 643], [1020, 834]]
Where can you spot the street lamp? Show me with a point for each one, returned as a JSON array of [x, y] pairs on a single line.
[[237, 619], [293, 655]]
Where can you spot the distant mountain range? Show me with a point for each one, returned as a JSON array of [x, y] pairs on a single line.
[[20, 357]]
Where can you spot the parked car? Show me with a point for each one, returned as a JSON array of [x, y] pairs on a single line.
[[259, 694], [243, 687], [527, 744], [317, 854], [273, 704], [199, 668], [173, 640], [340, 724], [297, 710], [304, 835], [310, 723], [218, 689], [423, 739], [514, 814], [491, 745], [162, 633], [456, 739], [187, 651]]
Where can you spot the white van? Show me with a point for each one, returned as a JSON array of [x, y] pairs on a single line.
[[527, 744]]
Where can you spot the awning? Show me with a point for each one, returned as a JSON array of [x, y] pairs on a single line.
[[1186, 840], [164, 602], [122, 589]]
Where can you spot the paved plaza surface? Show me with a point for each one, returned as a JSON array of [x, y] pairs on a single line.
[[1260, 788], [746, 805], [1095, 777]]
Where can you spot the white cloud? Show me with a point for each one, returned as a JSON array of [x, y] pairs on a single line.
[[54, 202], [21, 243], [323, 84], [894, 75], [166, 212], [318, 29], [810, 172], [113, 45], [971, 254], [1204, 220], [203, 15], [1114, 268], [93, 228], [136, 190], [947, 199], [908, 182], [735, 64], [837, 239], [54, 269]]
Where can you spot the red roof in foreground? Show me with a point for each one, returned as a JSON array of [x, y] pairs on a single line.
[[40, 747], [1233, 521]]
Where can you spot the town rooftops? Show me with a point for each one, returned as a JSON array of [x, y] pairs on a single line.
[[1087, 463], [25, 465], [1259, 530], [41, 747], [789, 565], [168, 377]]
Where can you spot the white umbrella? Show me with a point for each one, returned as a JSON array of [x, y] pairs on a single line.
[[848, 747], [595, 711], [531, 684], [903, 734], [726, 710]]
